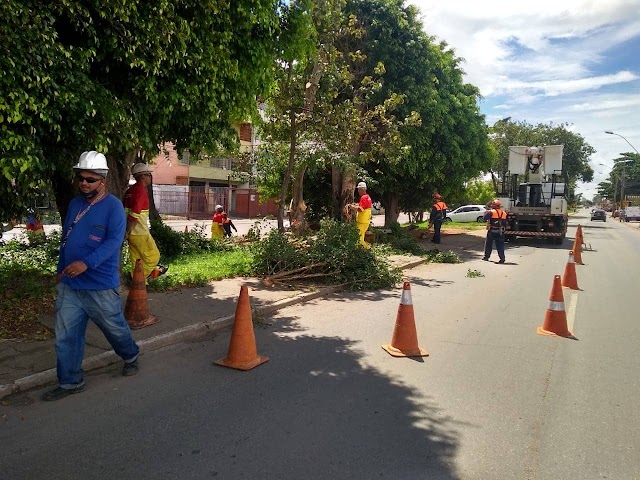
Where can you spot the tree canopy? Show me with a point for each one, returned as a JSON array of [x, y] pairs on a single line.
[[123, 77]]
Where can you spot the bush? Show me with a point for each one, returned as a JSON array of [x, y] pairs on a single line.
[[275, 254], [335, 252], [337, 244], [399, 240], [167, 239]]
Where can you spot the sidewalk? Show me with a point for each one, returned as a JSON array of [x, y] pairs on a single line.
[[184, 315]]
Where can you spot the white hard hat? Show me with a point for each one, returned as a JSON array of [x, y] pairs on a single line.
[[362, 185], [139, 168], [218, 206], [94, 161]]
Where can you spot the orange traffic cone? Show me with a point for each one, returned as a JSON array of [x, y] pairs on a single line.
[[579, 234], [242, 353], [405, 341], [569, 279], [577, 250], [136, 310], [555, 321], [186, 229]]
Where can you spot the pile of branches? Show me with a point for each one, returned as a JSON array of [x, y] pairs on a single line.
[[332, 255]]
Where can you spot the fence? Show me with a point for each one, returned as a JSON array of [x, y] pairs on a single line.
[[200, 202]]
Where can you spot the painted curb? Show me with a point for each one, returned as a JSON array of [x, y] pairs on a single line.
[[188, 332]]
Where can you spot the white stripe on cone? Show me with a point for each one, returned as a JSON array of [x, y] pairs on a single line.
[[556, 306], [406, 298]]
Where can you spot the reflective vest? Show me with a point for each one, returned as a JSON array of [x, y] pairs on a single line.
[[441, 209], [498, 219]]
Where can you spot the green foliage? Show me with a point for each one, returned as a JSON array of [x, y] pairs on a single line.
[[448, 146], [475, 192], [199, 268], [436, 256], [474, 273], [124, 76], [334, 251], [399, 240], [168, 241], [41, 256], [276, 253], [172, 244], [26, 270]]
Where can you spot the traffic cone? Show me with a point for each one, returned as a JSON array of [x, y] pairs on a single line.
[[577, 250], [405, 341], [569, 279], [555, 321], [579, 234], [242, 354], [136, 310], [186, 229]]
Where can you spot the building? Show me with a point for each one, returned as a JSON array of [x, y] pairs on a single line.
[[193, 189]]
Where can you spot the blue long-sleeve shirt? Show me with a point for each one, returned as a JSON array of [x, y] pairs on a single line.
[[96, 240]]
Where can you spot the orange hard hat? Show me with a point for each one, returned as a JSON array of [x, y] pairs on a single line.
[[497, 203]]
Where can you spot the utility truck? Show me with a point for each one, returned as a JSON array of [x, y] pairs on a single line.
[[534, 193]]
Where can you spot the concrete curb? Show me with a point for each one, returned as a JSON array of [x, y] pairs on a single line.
[[188, 332]]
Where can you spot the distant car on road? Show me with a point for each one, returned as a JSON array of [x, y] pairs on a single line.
[[467, 213], [598, 214]]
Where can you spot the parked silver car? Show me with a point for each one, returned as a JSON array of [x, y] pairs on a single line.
[[467, 213]]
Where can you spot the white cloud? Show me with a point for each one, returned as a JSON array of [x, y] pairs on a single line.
[[543, 61]]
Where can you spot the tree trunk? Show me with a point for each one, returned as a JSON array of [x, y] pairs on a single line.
[[336, 187], [289, 171], [347, 190], [390, 209], [64, 191], [119, 173], [298, 207]]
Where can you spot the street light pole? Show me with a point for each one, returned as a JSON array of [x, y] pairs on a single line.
[[624, 138]]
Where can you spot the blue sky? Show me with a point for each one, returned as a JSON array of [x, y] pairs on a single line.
[[561, 61]]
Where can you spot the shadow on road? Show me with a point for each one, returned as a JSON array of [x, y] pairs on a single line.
[[314, 411]]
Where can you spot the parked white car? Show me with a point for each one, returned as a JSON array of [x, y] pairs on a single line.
[[467, 213]]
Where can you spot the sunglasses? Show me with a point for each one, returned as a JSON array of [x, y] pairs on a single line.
[[88, 179]]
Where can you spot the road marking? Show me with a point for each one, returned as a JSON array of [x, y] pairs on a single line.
[[571, 311]]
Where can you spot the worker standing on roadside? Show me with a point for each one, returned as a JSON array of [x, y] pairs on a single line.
[[141, 244], [496, 219], [438, 214], [217, 230], [363, 215]]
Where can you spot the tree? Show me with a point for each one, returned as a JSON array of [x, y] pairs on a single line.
[[122, 78], [448, 146]]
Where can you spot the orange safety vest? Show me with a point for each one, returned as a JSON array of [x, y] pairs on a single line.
[[497, 219], [440, 206]]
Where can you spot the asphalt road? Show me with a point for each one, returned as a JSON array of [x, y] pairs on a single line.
[[494, 400]]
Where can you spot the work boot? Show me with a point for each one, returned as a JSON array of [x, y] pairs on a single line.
[[130, 369], [59, 393]]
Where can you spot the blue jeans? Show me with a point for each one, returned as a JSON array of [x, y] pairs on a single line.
[[74, 308], [437, 225], [494, 236]]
